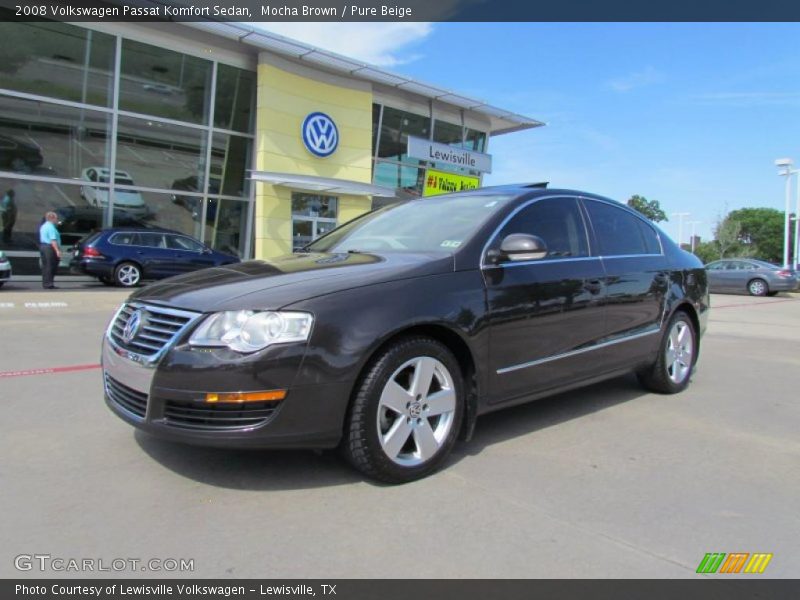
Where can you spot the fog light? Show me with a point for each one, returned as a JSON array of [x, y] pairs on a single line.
[[242, 397]]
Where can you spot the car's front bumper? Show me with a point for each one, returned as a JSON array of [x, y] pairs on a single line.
[[168, 400]]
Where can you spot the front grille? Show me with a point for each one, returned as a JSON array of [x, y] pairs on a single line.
[[194, 415], [125, 397], [158, 327]]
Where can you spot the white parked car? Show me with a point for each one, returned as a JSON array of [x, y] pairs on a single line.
[[130, 200], [5, 268]]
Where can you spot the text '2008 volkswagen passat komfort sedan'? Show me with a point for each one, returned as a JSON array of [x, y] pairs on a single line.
[[390, 335]]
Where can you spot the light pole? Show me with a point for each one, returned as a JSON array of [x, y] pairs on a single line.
[[785, 164], [680, 225], [691, 239]]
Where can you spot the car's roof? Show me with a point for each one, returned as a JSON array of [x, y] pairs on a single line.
[[134, 229]]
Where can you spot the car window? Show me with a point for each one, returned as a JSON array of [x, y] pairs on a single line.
[[122, 239], [178, 242], [557, 221], [618, 232], [715, 266], [651, 242], [152, 240]]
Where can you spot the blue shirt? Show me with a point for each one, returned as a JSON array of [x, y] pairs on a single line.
[[48, 233]]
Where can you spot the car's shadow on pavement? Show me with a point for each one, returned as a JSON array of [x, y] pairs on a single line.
[[253, 470], [264, 470], [547, 412]]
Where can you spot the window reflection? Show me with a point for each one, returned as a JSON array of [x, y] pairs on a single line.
[[164, 83], [50, 140], [57, 60], [406, 180], [396, 127], [226, 224], [160, 155], [230, 159], [235, 99]]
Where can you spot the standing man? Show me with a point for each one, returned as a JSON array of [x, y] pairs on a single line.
[[8, 208], [49, 242]]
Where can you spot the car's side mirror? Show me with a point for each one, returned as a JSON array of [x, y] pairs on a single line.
[[518, 247]]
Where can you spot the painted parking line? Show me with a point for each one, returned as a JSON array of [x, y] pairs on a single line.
[[35, 305], [47, 371]]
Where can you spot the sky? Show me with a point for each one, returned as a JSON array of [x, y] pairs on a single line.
[[691, 115]]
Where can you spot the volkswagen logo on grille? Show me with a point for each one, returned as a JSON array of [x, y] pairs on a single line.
[[132, 327], [320, 135]]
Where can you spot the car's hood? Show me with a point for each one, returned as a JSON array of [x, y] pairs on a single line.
[[260, 284]]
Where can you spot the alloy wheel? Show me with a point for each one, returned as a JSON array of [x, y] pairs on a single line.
[[680, 351], [128, 275], [416, 411]]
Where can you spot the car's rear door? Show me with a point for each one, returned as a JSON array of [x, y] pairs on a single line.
[[154, 256], [637, 279], [543, 313]]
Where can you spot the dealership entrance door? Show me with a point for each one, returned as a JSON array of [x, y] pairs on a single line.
[[313, 215]]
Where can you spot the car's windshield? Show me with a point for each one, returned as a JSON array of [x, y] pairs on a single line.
[[433, 224]]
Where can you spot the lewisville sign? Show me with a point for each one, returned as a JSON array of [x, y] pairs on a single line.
[[448, 155]]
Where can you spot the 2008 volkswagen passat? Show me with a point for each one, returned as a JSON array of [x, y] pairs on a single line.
[[390, 335]]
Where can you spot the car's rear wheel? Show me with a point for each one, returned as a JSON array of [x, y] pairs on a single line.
[[758, 287], [406, 412], [127, 274], [677, 354]]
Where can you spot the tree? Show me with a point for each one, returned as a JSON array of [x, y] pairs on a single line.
[[761, 232], [727, 237], [649, 208]]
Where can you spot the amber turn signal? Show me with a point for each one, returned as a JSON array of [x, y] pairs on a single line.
[[241, 397]]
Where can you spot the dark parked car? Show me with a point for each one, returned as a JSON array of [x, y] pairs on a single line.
[[125, 255], [389, 335], [757, 277], [19, 155]]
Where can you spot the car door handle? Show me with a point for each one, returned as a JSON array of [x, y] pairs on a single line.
[[593, 286]]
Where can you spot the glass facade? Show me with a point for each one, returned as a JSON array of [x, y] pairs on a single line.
[[392, 167], [173, 152]]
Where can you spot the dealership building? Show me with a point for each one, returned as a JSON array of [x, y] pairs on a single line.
[[251, 142]]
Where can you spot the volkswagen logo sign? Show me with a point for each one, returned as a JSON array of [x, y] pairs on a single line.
[[320, 134], [133, 326]]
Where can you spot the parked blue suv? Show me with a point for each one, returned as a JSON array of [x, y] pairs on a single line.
[[125, 255]]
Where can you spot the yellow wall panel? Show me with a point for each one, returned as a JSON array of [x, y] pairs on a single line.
[[284, 101]]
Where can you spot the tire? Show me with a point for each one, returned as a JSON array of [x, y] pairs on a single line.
[[399, 428], [757, 287], [672, 370], [127, 274]]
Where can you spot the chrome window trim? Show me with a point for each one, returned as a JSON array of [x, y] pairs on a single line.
[[511, 215], [571, 353], [150, 361]]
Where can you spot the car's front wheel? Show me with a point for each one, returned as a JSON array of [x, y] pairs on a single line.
[[406, 412], [127, 274], [677, 354]]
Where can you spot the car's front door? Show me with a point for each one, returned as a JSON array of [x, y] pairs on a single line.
[[543, 313], [637, 280], [188, 254]]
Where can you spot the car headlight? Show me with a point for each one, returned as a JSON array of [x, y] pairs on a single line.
[[249, 331]]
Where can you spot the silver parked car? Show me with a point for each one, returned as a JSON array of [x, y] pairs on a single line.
[[757, 277]]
